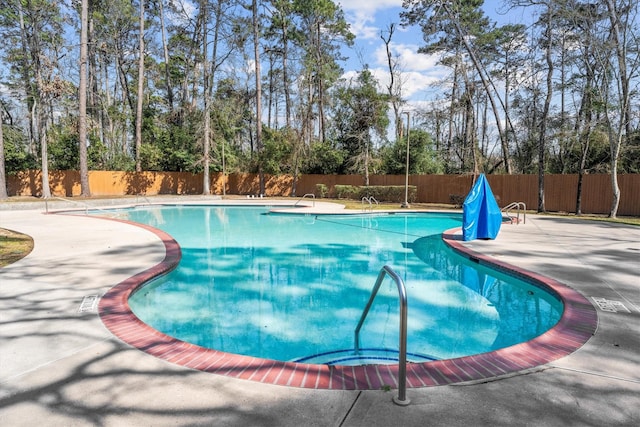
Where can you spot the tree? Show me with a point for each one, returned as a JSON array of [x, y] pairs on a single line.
[[324, 159], [361, 116], [165, 52], [206, 90], [505, 47], [424, 159], [450, 23], [324, 31], [547, 42], [394, 88], [3, 175], [620, 34], [40, 33], [140, 100], [256, 51], [82, 100], [283, 30]]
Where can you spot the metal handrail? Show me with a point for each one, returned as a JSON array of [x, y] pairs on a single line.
[[143, 197], [519, 205], [401, 399], [313, 196], [86, 206], [83, 204], [369, 199]]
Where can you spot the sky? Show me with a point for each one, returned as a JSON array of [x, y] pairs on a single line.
[[368, 18]]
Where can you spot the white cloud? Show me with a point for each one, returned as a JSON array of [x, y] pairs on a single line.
[[418, 71], [414, 83], [361, 14], [185, 12], [369, 6], [408, 57]]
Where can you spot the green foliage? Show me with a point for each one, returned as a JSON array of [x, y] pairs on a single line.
[[179, 152], [97, 154], [597, 160], [151, 157], [438, 23], [63, 148], [382, 193], [339, 127], [15, 153], [323, 159], [177, 143], [347, 191], [276, 151], [120, 161], [423, 158], [630, 155], [322, 190], [390, 193], [361, 115]]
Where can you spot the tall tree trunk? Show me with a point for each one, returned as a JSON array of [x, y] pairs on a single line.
[[320, 83], [206, 138], [38, 107], [486, 85], [256, 52], [28, 88], [165, 50], [285, 72], [140, 90], [583, 127], [82, 99], [392, 87], [615, 144], [3, 176], [44, 161], [452, 109], [545, 113], [214, 67], [470, 130], [270, 93], [93, 77]]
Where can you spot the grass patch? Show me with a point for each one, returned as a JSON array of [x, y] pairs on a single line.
[[13, 246]]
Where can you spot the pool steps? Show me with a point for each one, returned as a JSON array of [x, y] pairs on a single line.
[[365, 356]]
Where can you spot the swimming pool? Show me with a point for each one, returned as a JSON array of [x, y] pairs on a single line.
[[292, 287]]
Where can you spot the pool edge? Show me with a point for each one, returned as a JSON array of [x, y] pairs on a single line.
[[577, 324]]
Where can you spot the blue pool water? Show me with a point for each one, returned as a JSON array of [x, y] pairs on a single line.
[[293, 287]]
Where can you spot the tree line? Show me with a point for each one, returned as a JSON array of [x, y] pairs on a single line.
[[258, 86]]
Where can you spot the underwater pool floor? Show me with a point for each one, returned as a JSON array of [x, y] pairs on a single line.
[[578, 323]]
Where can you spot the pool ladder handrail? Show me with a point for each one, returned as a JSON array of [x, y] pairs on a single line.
[[401, 399], [520, 206], [86, 206], [313, 196], [370, 200], [143, 197]]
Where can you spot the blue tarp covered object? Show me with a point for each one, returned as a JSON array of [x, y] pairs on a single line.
[[481, 216]]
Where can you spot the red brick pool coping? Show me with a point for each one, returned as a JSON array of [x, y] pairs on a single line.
[[577, 324]]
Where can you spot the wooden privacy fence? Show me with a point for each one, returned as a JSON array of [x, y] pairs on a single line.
[[560, 190]]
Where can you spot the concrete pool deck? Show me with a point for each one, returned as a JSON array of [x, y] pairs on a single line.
[[59, 365]]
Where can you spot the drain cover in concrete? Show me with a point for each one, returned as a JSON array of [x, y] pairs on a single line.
[[609, 305], [89, 304]]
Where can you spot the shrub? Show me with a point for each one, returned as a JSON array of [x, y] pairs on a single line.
[[322, 190], [347, 192], [382, 193]]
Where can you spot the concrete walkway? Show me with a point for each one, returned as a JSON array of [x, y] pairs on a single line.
[[59, 366]]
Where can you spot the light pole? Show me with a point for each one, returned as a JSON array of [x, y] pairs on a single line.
[[406, 171]]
